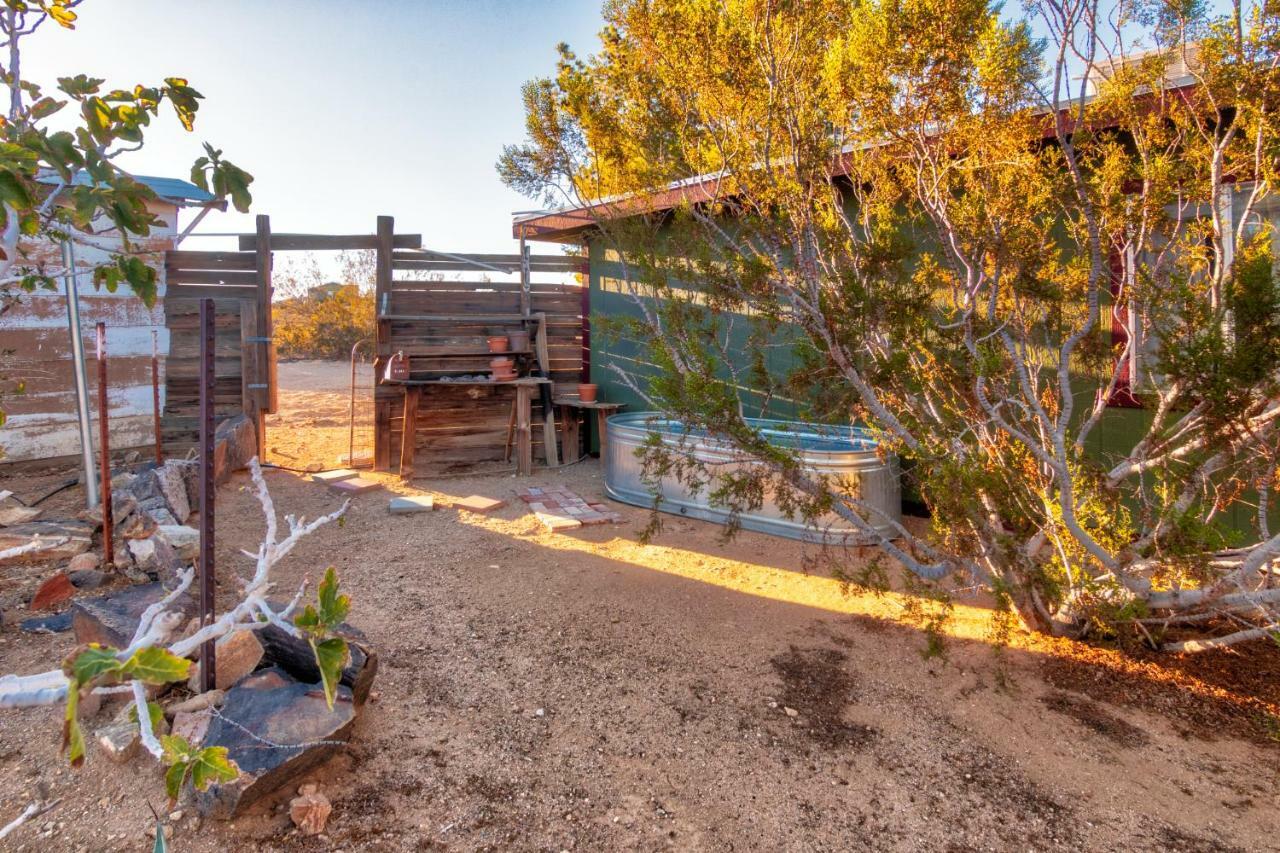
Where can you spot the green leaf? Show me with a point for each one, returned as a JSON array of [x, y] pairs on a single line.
[[156, 666], [72, 736], [92, 663], [13, 192], [173, 779], [211, 765], [46, 107], [154, 711], [333, 606], [331, 657]]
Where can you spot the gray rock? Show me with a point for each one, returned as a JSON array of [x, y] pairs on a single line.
[[235, 443], [185, 540], [295, 657], [269, 705], [174, 488], [56, 624], [87, 578], [111, 619]]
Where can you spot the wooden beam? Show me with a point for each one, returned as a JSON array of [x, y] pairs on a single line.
[[330, 242], [247, 277], [209, 260], [409, 431], [181, 290], [264, 347]]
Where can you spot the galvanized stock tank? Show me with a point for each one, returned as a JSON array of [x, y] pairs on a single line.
[[843, 452]]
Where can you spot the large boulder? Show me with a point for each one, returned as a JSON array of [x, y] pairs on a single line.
[[235, 442], [112, 619], [173, 485], [270, 706]]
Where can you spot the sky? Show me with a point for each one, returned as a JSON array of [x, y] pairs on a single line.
[[341, 110]]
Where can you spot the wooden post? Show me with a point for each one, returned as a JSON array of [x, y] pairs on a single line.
[[155, 395], [545, 394], [526, 303], [524, 435], [585, 272], [205, 566], [263, 381], [382, 343], [409, 431], [104, 448], [572, 436]]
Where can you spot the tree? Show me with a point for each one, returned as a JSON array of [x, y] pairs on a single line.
[[940, 214], [58, 185]]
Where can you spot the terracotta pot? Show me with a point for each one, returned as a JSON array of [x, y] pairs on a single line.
[[502, 376], [519, 341], [498, 343], [502, 364], [587, 392]]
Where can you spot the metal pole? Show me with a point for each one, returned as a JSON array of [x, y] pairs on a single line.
[[206, 569], [155, 395], [351, 425], [81, 381], [104, 450]]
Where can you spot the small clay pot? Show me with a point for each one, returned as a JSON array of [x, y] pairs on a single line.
[[502, 376], [502, 364], [498, 343], [519, 341], [587, 392]]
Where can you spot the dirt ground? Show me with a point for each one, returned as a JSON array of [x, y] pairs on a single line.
[[587, 692]]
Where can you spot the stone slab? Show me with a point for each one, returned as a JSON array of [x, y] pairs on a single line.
[[478, 503], [56, 590], [556, 522], [328, 477], [293, 716], [78, 536], [410, 504], [355, 486], [111, 619]]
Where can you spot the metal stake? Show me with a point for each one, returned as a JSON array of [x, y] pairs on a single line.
[[155, 395], [104, 449], [81, 380], [206, 569]]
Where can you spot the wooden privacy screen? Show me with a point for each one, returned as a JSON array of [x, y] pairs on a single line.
[[244, 359], [442, 327]]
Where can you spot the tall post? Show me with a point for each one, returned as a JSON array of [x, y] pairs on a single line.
[[526, 306], [382, 342], [104, 450], [585, 272], [78, 371], [206, 570], [155, 395]]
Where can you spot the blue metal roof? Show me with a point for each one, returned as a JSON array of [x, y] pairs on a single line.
[[169, 189]]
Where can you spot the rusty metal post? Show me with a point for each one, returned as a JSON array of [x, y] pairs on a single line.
[[155, 395], [104, 449], [206, 569]]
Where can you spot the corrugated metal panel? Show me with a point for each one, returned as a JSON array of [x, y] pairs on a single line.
[[173, 189]]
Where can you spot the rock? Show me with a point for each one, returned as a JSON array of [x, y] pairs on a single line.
[[82, 563], [192, 725], [12, 512], [235, 656], [310, 810], [87, 578], [157, 509], [235, 442], [199, 702], [120, 741], [47, 624], [58, 589], [111, 619], [294, 656], [78, 536], [790, 712], [271, 706], [142, 488], [328, 478], [173, 486], [155, 555], [185, 540]]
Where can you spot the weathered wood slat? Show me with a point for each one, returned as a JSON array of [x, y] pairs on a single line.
[[328, 242], [180, 260]]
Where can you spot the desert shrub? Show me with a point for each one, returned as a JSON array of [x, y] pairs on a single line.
[[321, 325]]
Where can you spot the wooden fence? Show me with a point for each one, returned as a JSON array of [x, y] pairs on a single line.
[[244, 358]]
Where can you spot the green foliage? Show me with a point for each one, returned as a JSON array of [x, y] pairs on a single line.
[[203, 767], [318, 622]]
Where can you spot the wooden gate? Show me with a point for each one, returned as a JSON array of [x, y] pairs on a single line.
[[244, 358]]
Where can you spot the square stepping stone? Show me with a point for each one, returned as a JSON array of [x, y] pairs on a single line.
[[355, 486], [479, 503], [409, 504], [556, 522], [330, 477]]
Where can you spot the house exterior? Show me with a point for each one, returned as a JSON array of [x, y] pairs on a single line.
[[42, 419]]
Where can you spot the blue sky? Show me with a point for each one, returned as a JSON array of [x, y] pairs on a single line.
[[341, 110]]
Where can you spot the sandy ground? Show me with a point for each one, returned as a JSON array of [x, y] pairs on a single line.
[[588, 692]]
